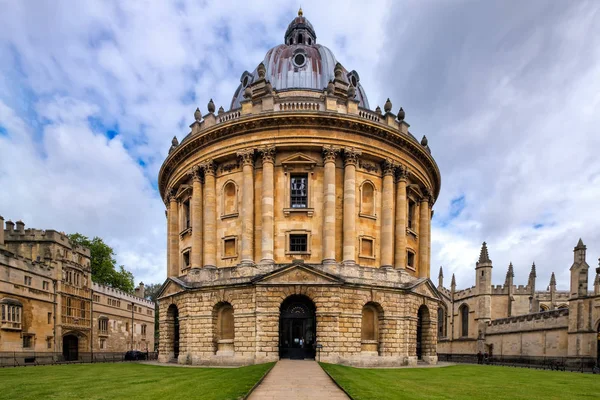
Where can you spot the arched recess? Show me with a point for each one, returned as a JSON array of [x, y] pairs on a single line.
[[370, 339], [229, 196], [441, 318], [70, 347], [563, 306], [463, 312], [367, 199], [543, 308], [426, 344], [172, 337], [297, 327], [224, 328]]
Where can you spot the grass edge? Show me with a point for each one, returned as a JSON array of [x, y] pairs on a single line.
[[334, 381], [262, 378]]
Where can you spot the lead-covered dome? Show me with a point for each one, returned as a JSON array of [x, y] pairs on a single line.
[[300, 63]]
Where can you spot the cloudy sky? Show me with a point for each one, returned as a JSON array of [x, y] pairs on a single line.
[[507, 92]]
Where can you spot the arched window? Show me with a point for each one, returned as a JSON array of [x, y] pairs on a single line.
[[230, 199], [226, 322], [464, 320], [103, 325], [300, 39], [367, 199], [224, 328], [441, 322]]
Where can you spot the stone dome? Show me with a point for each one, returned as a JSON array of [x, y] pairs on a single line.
[[300, 63]]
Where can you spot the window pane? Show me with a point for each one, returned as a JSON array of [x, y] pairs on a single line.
[[298, 243], [299, 191]]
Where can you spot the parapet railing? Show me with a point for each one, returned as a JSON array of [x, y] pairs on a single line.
[[24, 358], [573, 364]]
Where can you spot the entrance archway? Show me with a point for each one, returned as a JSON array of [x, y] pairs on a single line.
[[173, 323], [422, 328], [297, 328], [70, 348]]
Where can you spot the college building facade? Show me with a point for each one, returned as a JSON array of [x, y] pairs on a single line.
[[49, 304]]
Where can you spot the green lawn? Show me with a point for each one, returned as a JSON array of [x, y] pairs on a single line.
[[464, 382], [128, 381]]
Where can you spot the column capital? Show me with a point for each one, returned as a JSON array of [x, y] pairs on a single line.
[[268, 154], [402, 173], [247, 156], [170, 195], [388, 166], [427, 196], [209, 167], [196, 173], [330, 153], [351, 156]]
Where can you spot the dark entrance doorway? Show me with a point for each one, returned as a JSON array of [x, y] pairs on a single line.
[[70, 348], [173, 317], [297, 328]]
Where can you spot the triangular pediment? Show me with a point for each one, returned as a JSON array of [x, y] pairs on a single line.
[[183, 189], [299, 159], [298, 274], [169, 288], [426, 288]]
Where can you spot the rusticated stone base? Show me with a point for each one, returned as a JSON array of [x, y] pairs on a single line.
[[338, 314]]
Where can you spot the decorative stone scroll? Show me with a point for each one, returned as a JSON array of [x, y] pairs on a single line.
[[351, 156], [209, 167], [196, 174], [246, 156], [388, 167], [329, 153], [267, 154]]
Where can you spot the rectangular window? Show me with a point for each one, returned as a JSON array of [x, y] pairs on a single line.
[[27, 341], [49, 342], [143, 330], [103, 325], [229, 247], [127, 326], [186, 215], [96, 298], [46, 285], [410, 259], [102, 343], [298, 243], [128, 307], [186, 259], [49, 317], [411, 214], [27, 280], [367, 247], [299, 191]]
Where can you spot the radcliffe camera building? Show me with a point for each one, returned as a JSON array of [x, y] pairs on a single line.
[[299, 217]]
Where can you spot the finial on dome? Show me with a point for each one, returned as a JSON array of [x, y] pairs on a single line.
[[424, 141], [300, 13], [338, 70], [221, 110], [211, 106], [401, 114], [378, 110], [197, 114], [387, 107], [262, 71]]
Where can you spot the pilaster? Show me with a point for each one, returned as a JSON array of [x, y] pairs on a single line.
[[401, 210], [425, 213], [349, 241], [267, 201], [173, 269], [387, 215], [329, 155], [196, 259], [210, 214], [247, 214]]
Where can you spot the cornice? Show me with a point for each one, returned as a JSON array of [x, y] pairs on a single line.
[[275, 120]]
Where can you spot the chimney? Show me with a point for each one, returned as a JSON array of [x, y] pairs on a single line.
[[10, 226], [20, 227], [1, 231], [139, 291]]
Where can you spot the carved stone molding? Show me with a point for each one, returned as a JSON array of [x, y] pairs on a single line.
[[369, 167], [427, 196], [246, 156], [329, 153], [268, 154], [351, 156], [402, 173]]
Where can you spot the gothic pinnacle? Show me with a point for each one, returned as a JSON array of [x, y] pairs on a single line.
[[441, 274], [510, 273], [483, 255]]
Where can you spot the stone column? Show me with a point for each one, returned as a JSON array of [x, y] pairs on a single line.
[[196, 204], [268, 201], [247, 214], [349, 243], [329, 154], [166, 200], [424, 221], [400, 238], [173, 269], [210, 214], [387, 215]]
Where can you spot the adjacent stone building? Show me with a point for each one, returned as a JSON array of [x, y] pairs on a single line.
[[516, 321], [48, 302], [299, 221]]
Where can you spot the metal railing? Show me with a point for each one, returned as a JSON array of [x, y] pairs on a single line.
[[25, 358], [574, 364]]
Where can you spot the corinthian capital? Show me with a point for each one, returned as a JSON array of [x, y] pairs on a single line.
[[388, 167], [351, 156], [196, 173], [268, 154], [329, 153], [246, 156], [403, 173], [170, 195], [427, 196], [208, 167]]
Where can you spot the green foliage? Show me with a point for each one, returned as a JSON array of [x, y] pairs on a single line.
[[103, 263], [463, 382], [151, 291], [130, 381]]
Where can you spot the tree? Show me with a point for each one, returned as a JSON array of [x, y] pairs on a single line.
[[151, 291], [103, 263]]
